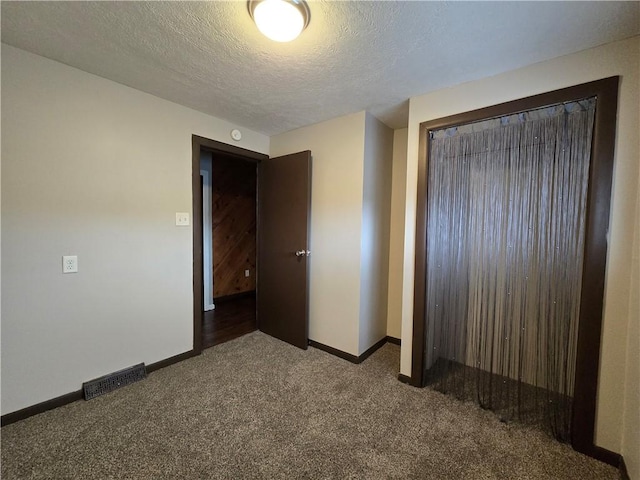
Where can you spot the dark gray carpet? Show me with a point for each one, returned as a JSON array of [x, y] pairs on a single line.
[[258, 408]]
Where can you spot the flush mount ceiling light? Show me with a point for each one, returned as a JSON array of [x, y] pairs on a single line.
[[280, 20]]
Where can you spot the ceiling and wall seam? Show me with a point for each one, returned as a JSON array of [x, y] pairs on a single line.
[[209, 56]]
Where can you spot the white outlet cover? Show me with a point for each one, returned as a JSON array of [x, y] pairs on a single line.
[[69, 264], [182, 219]]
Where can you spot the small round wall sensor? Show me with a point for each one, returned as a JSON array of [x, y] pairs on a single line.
[[236, 134]]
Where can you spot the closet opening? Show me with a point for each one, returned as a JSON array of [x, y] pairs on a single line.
[[511, 243]]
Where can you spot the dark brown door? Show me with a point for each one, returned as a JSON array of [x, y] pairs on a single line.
[[284, 201]]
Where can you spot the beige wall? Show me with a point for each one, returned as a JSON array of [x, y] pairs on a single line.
[[631, 421], [350, 210], [95, 169], [337, 149], [396, 236], [619, 58], [376, 213]]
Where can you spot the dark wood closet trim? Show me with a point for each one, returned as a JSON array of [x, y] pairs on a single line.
[[607, 456], [598, 207], [227, 150], [170, 361], [334, 351], [369, 351], [624, 473], [41, 407], [354, 358], [199, 144]]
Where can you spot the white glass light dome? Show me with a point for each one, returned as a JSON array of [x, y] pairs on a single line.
[[280, 20]]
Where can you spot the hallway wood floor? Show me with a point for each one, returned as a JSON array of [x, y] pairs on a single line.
[[230, 319]]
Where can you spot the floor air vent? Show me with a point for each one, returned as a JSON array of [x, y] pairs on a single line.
[[113, 381]]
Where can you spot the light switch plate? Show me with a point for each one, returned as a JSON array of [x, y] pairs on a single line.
[[182, 219], [69, 264]]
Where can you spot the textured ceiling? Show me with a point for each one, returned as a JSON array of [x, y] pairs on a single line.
[[353, 56]]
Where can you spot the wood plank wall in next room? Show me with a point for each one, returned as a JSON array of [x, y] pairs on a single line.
[[234, 226]]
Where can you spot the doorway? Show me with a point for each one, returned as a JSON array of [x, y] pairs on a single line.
[[224, 307], [282, 231], [229, 247]]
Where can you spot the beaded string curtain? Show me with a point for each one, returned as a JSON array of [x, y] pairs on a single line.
[[505, 241]]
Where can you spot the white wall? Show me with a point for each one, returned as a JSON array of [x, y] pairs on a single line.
[[337, 149], [396, 237], [95, 169], [619, 58], [376, 213]]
